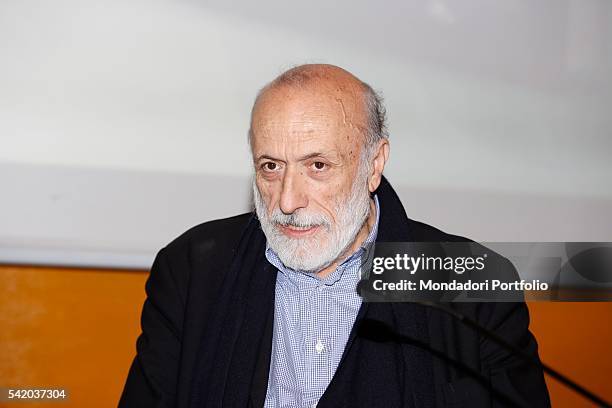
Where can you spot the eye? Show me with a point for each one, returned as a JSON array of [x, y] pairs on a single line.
[[269, 166], [319, 165]]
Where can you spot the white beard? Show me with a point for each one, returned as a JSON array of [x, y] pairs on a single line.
[[329, 242]]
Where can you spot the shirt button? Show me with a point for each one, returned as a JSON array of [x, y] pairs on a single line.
[[319, 347]]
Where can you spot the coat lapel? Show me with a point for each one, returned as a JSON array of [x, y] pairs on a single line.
[[230, 348], [393, 227], [407, 319]]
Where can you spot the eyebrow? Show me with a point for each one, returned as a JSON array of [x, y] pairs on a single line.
[[265, 156], [312, 155]]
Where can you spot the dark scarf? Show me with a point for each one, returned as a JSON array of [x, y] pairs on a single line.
[[227, 366]]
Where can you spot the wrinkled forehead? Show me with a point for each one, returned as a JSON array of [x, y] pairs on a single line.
[[326, 109]]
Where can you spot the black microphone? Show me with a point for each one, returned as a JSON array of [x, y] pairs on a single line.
[[378, 331]]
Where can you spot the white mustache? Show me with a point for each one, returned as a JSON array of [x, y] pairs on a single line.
[[299, 220]]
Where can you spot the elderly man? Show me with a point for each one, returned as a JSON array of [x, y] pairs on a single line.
[[261, 309]]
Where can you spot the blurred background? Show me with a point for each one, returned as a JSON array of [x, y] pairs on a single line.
[[123, 123]]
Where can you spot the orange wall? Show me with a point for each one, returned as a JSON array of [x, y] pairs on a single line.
[[69, 328], [77, 329], [575, 339]]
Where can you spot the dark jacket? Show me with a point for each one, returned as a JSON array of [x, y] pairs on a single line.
[[207, 333]]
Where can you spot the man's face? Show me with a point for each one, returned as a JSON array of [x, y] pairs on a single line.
[[311, 193]]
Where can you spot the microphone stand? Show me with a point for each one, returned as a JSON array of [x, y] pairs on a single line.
[[380, 326]]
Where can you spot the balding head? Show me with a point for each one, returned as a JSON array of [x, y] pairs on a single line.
[[362, 107], [303, 75], [319, 149]]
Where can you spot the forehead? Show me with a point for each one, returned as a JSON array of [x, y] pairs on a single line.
[[324, 115]]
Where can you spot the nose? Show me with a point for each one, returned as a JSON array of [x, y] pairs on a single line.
[[292, 195]]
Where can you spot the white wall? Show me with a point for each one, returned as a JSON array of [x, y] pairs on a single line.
[[123, 123]]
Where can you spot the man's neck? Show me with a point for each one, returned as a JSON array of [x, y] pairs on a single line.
[[362, 235]]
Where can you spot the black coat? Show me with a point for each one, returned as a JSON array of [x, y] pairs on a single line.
[[207, 333]]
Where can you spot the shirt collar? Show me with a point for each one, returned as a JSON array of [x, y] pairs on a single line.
[[357, 256]]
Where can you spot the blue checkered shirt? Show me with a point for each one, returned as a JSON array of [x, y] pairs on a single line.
[[312, 321]]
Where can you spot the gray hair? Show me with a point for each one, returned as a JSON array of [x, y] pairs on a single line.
[[376, 129], [377, 120]]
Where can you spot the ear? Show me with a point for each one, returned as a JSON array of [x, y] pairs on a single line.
[[378, 164]]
